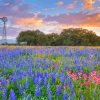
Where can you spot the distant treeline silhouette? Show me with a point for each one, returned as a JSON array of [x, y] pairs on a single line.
[[68, 37]]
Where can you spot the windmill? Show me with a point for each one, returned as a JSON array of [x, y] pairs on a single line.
[[4, 35]]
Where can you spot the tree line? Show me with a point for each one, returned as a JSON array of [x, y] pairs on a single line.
[[68, 37]]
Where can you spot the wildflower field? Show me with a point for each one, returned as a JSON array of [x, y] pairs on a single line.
[[50, 73]]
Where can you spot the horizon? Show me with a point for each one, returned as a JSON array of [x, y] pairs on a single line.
[[49, 16]]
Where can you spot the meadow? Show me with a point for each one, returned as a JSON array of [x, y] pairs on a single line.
[[49, 73]]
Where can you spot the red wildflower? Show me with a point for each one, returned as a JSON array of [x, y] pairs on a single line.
[[84, 76], [68, 73], [86, 83], [79, 73], [96, 79], [74, 75], [92, 75]]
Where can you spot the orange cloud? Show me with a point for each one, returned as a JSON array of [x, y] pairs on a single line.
[[70, 6], [29, 22], [88, 4], [59, 3], [78, 19], [91, 20]]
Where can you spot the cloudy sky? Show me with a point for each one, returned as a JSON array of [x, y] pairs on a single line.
[[49, 15]]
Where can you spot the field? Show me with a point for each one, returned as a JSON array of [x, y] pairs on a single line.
[[49, 73]]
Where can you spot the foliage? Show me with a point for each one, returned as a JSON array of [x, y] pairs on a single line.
[[68, 37], [49, 73]]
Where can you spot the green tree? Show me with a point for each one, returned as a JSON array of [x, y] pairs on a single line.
[[31, 37], [68, 37]]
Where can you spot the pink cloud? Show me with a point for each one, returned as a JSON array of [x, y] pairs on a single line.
[[70, 6], [77, 19], [59, 3]]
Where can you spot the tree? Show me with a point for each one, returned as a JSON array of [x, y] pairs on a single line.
[[31, 37], [78, 36], [68, 37], [52, 39]]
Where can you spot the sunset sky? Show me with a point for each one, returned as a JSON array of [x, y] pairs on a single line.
[[49, 15]]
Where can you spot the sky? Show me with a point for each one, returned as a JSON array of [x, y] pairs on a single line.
[[49, 15]]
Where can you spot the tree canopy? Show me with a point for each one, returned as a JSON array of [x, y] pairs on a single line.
[[68, 37]]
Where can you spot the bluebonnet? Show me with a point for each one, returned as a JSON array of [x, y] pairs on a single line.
[[49, 95], [46, 74], [48, 88], [29, 97], [62, 77], [4, 82], [4, 94], [49, 91], [26, 83], [37, 80], [58, 90], [64, 97], [45, 81], [24, 95], [53, 77], [69, 81], [20, 88], [13, 78], [12, 95], [37, 91], [72, 92]]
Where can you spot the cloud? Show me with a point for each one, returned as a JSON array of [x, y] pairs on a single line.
[[70, 6], [29, 22], [59, 3], [14, 8], [88, 4], [77, 19], [48, 9]]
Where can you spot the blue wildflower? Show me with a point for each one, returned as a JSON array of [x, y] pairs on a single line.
[[4, 82], [37, 91], [48, 88], [29, 97], [45, 81], [49, 95], [62, 77], [4, 94], [58, 90], [26, 83], [64, 95], [53, 77], [24, 95], [12, 95], [20, 88]]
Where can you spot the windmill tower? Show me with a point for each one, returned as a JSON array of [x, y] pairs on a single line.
[[4, 36]]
